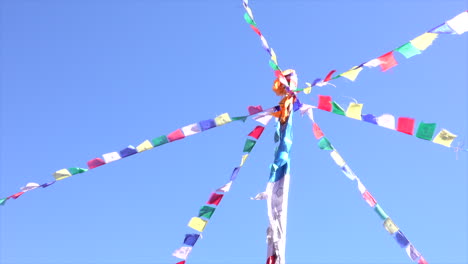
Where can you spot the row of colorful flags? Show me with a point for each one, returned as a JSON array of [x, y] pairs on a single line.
[[178, 134], [388, 224], [205, 213], [405, 125]]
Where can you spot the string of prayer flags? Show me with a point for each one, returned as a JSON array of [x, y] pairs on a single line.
[[388, 224]]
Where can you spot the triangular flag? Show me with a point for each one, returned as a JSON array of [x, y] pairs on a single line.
[[352, 73], [405, 125], [257, 132], [197, 224], [336, 109], [191, 239], [225, 188], [408, 50], [215, 198], [146, 145], [249, 144], [317, 131], [444, 138], [426, 130], [387, 61], [354, 111], [244, 157], [337, 158], [110, 157], [325, 103], [3, 200], [459, 23], [16, 195], [182, 252], [325, 144], [191, 129], [386, 120], [424, 41], [222, 119], [206, 211], [61, 174], [263, 118]]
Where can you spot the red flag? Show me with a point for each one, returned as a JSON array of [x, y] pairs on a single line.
[[271, 259], [176, 135], [406, 125], [329, 76], [257, 132], [387, 61], [256, 30], [95, 163], [369, 198], [181, 262], [325, 103], [422, 261], [317, 131], [215, 198], [16, 195]]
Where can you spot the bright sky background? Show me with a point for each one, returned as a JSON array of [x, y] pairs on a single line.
[[84, 78]]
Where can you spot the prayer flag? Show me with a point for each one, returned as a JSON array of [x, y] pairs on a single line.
[[380, 212], [63, 173], [273, 65], [336, 109], [257, 132], [444, 138], [387, 61], [249, 20], [207, 124], [426, 130], [401, 239], [260, 196], [128, 151], [354, 111], [412, 252], [182, 252], [244, 157], [75, 170], [3, 200], [176, 135], [16, 195], [408, 50], [265, 43], [325, 103], [191, 129], [249, 11], [325, 144], [373, 63], [442, 29], [405, 125], [222, 119], [352, 73], [317, 131], [254, 109], [348, 172], [254, 28], [329, 76], [225, 188], [215, 198], [424, 41], [242, 118], [369, 198], [263, 118], [273, 56], [234, 173], [390, 226], [249, 144], [181, 262], [362, 189], [459, 23], [386, 120], [161, 140], [191, 239], [206, 211], [47, 184], [337, 158], [110, 157], [422, 261], [30, 186], [197, 224], [146, 145], [370, 118]]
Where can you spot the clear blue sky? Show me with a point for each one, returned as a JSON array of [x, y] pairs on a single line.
[[83, 78]]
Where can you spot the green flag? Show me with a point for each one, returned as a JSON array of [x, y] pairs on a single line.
[[159, 141], [206, 211], [274, 66], [242, 118], [426, 130], [3, 201], [325, 144], [337, 109], [380, 212], [408, 50], [249, 144], [76, 170], [249, 20]]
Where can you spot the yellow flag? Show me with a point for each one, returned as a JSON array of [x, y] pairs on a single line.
[[337, 158], [390, 226], [273, 56], [424, 41], [354, 111], [352, 74], [444, 138], [144, 146], [243, 159], [197, 224], [222, 119], [61, 174]]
